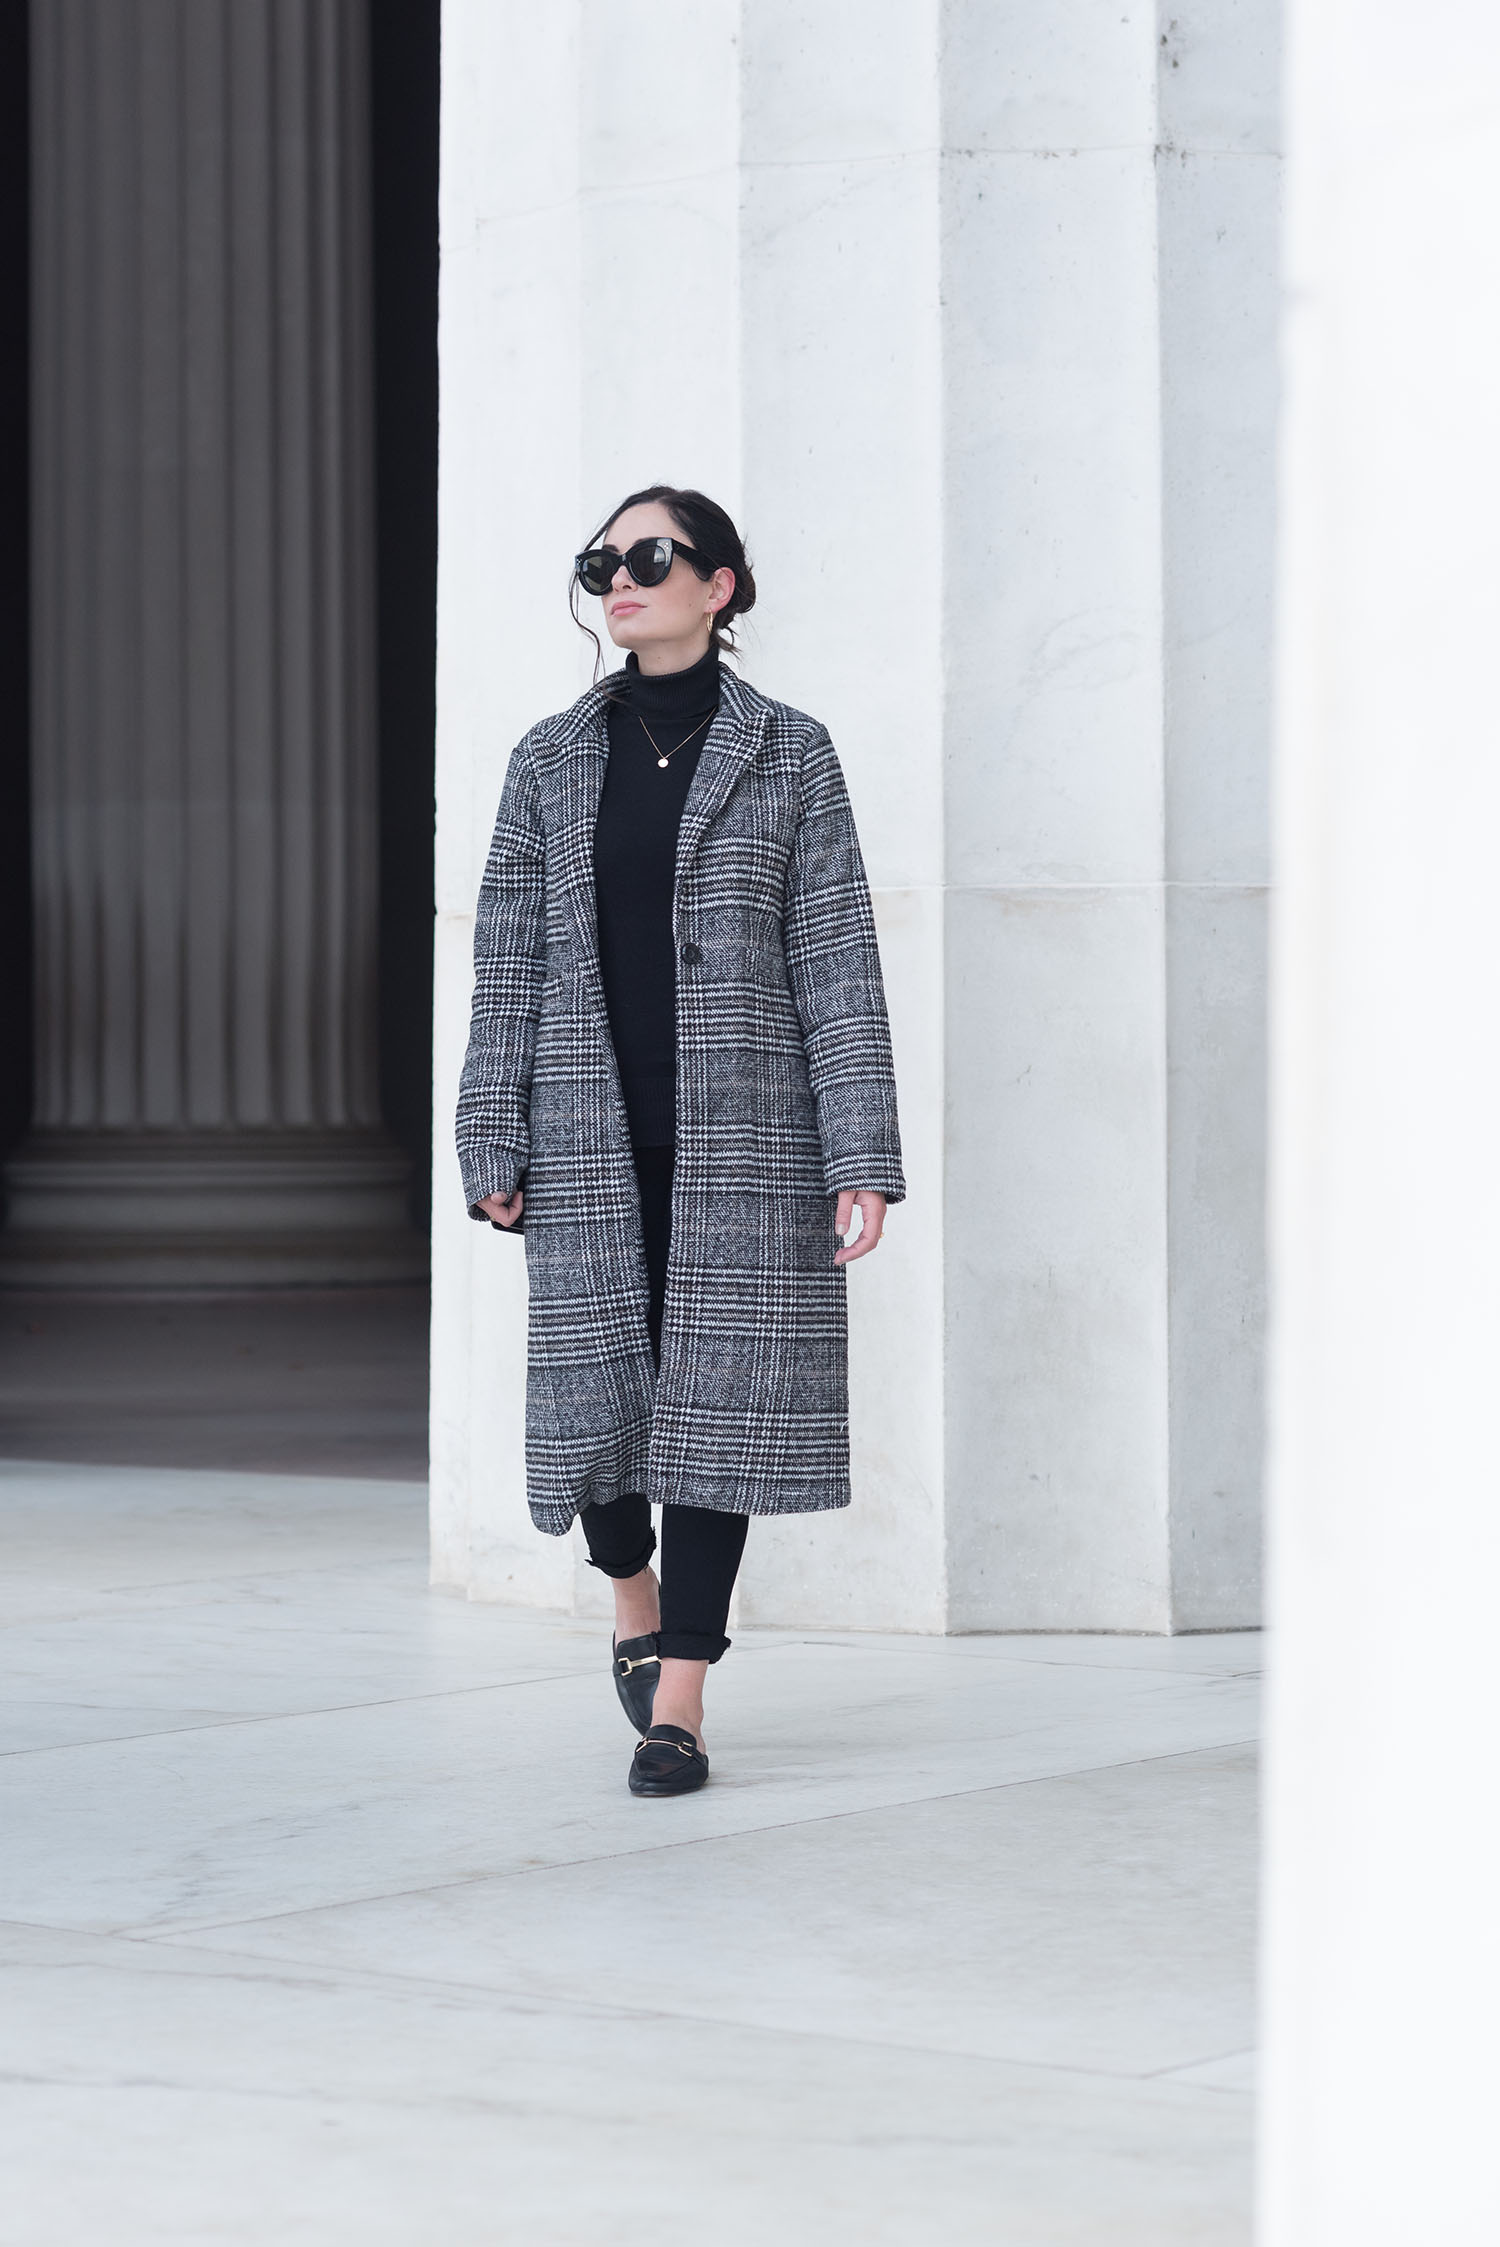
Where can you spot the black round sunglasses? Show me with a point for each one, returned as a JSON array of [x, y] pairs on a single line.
[[648, 562]]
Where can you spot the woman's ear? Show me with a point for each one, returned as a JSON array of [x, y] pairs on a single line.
[[721, 585]]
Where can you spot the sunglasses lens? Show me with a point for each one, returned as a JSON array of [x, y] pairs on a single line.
[[596, 569], [649, 560]]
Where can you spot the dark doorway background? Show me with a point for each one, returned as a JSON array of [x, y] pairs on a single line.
[[15, 532], [404, 105], [404, 47]]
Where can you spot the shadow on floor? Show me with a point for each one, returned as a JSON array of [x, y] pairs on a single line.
[[311, 1381]]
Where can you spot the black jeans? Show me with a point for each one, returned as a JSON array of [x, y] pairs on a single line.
[[700, 1558], [700, 1549]]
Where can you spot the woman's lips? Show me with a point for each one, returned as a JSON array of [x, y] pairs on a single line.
[[625, 608]]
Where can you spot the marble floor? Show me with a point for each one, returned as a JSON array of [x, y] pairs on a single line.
[[325, 1916]]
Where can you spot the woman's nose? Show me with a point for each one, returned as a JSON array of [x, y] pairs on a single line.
[[621, 578]]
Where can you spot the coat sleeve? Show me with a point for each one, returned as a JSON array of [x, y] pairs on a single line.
[[494, 1096], [833, 966]]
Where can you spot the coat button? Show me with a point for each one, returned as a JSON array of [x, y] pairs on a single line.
[[691, 954]]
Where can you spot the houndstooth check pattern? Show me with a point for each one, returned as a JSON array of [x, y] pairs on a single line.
[[785, 1094]]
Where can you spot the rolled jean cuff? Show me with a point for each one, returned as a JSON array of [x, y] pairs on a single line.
[[629, 1567], [691, 1646]]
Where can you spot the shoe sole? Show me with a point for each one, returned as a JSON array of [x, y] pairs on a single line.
[[647, 1788]]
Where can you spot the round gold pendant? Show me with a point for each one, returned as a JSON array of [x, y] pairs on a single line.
[[662, 762]]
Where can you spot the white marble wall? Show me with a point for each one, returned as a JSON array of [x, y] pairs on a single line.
[[932, 309], [1382, 1979]]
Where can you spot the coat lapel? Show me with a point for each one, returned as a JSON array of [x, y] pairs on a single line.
[[584, 747], [730, 747]]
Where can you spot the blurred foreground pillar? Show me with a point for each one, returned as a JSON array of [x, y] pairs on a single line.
[[1382, 1978], [204, 748], [969, 315]]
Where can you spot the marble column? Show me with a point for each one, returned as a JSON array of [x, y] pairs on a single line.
[[1382, 1959], [970, 314], [204, 743]]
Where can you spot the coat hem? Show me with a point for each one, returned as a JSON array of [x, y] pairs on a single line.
[[556, 1518]]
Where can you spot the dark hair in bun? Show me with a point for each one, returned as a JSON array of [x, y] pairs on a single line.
[[705, 526]]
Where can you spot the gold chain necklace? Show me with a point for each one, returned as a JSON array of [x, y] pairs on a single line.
[[664, 761]]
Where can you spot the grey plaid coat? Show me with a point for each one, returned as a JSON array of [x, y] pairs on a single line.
[[785, 1094]]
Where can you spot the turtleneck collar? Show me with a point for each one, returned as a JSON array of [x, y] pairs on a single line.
[[672, 694]]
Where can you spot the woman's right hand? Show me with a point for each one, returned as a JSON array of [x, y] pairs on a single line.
[[503, 1212]]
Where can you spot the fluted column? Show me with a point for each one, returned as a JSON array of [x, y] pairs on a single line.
[[204, 732]]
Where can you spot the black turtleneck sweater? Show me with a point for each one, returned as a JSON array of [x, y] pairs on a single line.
[[635, 865]]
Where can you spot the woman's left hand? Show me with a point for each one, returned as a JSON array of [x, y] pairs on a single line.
[[871, 1221]]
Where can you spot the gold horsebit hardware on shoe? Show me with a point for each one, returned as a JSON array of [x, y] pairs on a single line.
[[677, 1744], [624, 1664]]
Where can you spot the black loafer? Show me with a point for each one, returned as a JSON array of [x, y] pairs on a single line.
[[637, 1674], [668, 1761]]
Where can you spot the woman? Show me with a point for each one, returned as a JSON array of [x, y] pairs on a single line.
[[679, 1089]]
